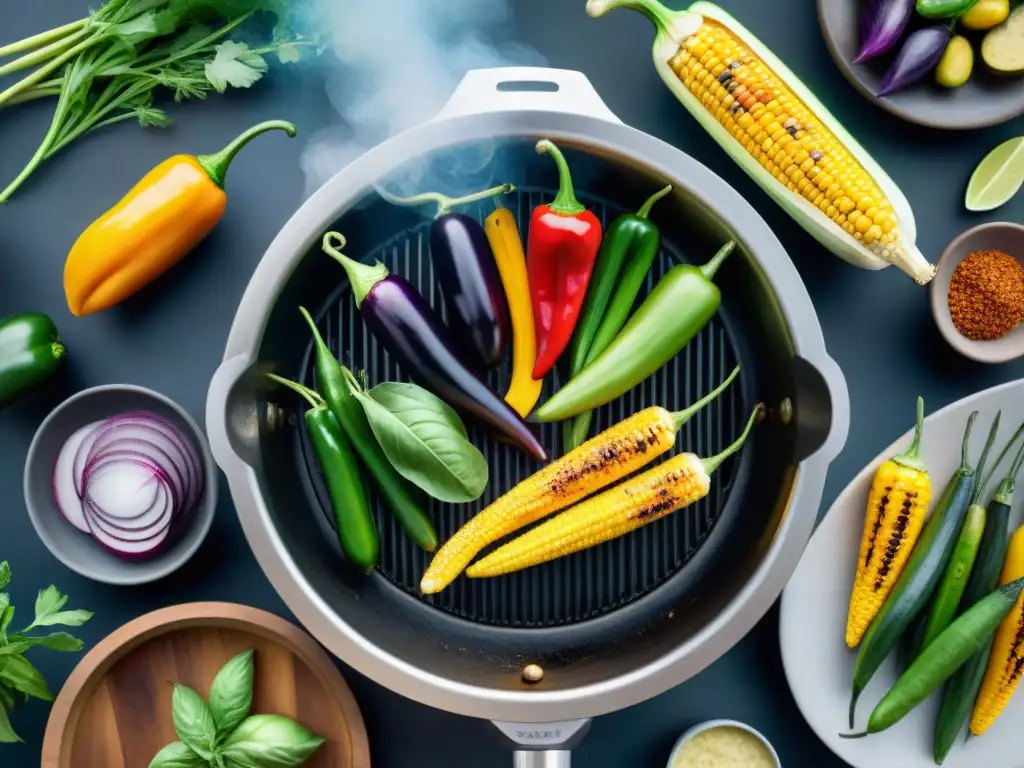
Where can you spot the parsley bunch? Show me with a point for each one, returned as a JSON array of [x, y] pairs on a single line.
[[105, 68], [17, 674]]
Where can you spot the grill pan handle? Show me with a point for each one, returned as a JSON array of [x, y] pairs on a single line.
[[823, 408], [218, 410], [543, 745], [530, 89]]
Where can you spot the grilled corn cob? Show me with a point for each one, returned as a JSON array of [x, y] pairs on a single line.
[[605, 458], [672, 485], [897, 503], [1006, 659], [785, 139]]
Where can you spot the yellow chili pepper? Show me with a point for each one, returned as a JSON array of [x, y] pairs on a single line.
[[507, 245], [164, 216]]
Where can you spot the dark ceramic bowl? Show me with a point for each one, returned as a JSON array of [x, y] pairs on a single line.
[[998, 235], [79, 551], [986, 99]]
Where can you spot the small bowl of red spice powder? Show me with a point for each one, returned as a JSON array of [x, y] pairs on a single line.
[[978, 293]]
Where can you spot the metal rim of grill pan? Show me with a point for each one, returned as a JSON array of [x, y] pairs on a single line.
[[574, 116]]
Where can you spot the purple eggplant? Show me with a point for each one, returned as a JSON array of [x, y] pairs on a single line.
[[467, 273], [919, 55], [404, 323], [882, 24]]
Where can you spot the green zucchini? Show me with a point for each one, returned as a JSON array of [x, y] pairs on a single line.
[[919, 576], [954, 646], [962, 688], [30, 354]]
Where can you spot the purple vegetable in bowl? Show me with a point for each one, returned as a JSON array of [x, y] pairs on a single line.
[[882, 25], [919, 55]]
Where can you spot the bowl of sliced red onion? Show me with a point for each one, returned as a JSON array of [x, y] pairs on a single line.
[[120, 484]]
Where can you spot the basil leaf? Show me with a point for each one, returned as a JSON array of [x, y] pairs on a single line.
[[18, 672], [15, 647], [193, 721], [395, 395], [425, 442], [7, 698], [7, 734], [5, 574], [177, 755], [55, 641], [270, 741], [231, 694]]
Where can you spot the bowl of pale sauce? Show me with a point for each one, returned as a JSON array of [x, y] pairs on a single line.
[[723, 744]]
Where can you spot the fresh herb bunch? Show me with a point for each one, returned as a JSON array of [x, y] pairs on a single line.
[[105, 68], [17, 674], [222, 733]]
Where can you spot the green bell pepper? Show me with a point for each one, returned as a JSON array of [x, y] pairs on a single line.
[[944, 9], [30, 354], [627, 252], [681, 304]]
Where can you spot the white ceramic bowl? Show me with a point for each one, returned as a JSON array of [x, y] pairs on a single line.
[[708, 725], [78, 551], [998, 235]]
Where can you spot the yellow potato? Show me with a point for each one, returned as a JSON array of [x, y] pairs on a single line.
[[957, 61], [986, 14]]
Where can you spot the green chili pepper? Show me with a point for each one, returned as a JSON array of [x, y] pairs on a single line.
[[357, 532], [627, 253], [944, 9], [960, 693], [30, 354], [955, 645], [681, 304], [330, 380]]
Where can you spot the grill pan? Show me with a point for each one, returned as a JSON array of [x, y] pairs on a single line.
[[612, 625], [589, 583]]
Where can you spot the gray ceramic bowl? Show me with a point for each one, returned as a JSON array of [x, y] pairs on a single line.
[[708, 725], [79, 551], [999, 235], [986, 99]]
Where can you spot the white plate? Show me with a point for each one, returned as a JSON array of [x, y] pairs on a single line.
[[812, 622]]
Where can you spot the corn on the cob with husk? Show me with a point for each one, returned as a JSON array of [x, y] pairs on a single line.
[[781, 135], [1006, 659], [609, 456], [896, 508], [672, 485]]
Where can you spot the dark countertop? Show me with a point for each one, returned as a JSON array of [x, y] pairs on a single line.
[[170, 337]]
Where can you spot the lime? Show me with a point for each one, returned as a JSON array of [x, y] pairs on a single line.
[[998, 177]]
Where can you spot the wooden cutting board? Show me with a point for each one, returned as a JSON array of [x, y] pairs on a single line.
[[115, 709]]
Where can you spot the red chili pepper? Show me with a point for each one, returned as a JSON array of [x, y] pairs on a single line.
[[560, 253]]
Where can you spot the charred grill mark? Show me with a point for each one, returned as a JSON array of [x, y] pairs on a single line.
[[600, 460], [1014, 660], [879, 517], [896, 540], [657, 507]]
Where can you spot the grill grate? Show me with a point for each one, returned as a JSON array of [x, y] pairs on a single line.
[[588, 583]]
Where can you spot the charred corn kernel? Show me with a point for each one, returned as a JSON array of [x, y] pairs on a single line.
[[674, 484], [896, 508], [609, 456], [1006, 659]]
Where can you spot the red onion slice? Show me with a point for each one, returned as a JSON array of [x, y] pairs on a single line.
[[124, 489], [65, 492], [129, 550], [137, 529], [143, 453]]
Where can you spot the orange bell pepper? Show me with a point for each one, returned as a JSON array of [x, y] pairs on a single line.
[[164, 216]]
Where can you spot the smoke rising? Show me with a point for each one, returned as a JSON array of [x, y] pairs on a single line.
[[398, 62]]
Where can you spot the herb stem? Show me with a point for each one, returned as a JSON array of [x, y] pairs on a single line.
[[43, 54], [44, 71], [32, 95], [43, 38]]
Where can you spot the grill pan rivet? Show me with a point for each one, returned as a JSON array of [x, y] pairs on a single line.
[[533, 673], [786, 411]]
